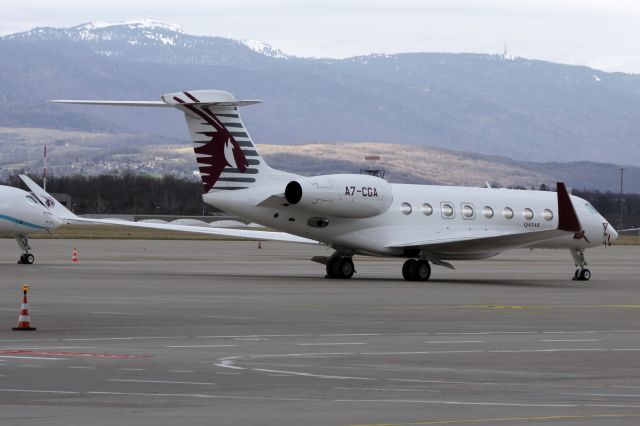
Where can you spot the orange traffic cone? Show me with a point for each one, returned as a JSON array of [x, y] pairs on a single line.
[[74, 255], [24, 322], [259, 244]]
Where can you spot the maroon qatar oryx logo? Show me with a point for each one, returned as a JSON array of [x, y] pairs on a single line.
[[48, 201], [220, 152]]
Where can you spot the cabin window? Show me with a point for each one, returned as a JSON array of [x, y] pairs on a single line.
[[448, 211], [547, 214], [468, 212], [487, 212], [31, 200], [528, 214], [427, 209], [405, 208], [507, 213]]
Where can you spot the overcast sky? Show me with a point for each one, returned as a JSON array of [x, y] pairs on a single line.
[[598, 33]]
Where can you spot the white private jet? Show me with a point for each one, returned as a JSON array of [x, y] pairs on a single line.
[[362, 214], [22, 214]]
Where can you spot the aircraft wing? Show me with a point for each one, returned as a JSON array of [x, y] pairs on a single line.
[[68, 217], [465, 242]]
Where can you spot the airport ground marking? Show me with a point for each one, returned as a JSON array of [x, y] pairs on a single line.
[[449, 402], [602, 394], [331, 344], [457, 341], [169, 382], [570, 340], [26, 352], [508, 419], [42, 358], [201, 346]]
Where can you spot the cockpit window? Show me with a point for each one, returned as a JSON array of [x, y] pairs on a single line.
[[31, 200], [591, 208]]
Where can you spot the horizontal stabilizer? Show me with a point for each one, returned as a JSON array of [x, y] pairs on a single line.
[[154, 104]]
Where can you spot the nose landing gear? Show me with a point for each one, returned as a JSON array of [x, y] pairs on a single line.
[[26, 258], [582, 273]]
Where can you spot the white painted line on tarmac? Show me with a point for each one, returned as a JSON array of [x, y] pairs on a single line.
[[389, 389], [132, 369], [490, 404], [253, 336], [318, 376], [179, 371], [167, 395], [14, 348], [123, 338], [201, 346], [330, 344], [39, 391], [570, 340], [350, 335], [80, 367], [457, 341], [169, 382], [33, 357], [228, 317], [615, 395]]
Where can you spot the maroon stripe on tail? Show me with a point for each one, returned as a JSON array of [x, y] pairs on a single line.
[[215, 159]]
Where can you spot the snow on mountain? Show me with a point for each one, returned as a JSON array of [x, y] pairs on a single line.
[[264, 49]]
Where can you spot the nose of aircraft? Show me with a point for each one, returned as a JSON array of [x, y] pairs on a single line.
[[613, 233]]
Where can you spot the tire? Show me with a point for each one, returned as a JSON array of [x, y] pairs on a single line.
[[332, 267], [409, 270], [29, 259], [346, 268], [423, 270], [585, 275]]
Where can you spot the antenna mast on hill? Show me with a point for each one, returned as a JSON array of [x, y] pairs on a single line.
[[44, 170], [372, 170]]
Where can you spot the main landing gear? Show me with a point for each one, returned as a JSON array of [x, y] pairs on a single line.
[[416, 270], [340, 267], [582, 273], [26, 258]]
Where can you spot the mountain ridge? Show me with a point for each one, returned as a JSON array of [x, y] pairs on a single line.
[[491, 104]]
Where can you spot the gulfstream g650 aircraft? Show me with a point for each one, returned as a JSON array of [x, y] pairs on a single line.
[[362, 214]]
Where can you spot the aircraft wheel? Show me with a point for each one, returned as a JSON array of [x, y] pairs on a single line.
[[29, 259], [332, 267], [422, 270], [409, 270], [585, 275], [346, 268]]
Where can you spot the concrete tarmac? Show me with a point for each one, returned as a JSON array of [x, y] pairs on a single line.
[[215, 332]]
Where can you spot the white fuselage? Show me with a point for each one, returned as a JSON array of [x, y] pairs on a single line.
[[21, 213], [421, 213]]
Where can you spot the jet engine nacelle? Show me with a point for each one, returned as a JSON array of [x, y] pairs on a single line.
[[348, 195]]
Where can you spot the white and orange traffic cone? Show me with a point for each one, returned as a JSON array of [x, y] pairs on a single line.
[[74, 255], [24, 322], [259, 244]]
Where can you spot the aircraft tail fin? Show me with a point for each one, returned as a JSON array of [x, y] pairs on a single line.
[[47, 200], [226, 155]]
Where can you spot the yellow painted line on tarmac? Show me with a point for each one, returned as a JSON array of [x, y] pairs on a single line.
[[506, 419]]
